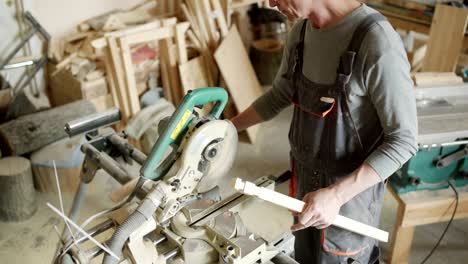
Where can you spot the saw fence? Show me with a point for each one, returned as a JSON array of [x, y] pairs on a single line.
[[117, 57]]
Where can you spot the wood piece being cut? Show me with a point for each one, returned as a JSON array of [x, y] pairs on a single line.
[[18, 200]]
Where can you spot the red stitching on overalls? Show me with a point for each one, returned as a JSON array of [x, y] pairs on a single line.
[[338, 253], [313, 113], [292, 182]]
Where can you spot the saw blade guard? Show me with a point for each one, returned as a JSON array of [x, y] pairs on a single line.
[[219, 155], [177, 125]]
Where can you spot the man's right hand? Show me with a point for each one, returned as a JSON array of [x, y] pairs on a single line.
[[246, 119]]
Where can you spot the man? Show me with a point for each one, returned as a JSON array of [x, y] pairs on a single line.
[[354, 124]]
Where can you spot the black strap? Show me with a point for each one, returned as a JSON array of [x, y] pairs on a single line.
[[361, 31], [348, 58]]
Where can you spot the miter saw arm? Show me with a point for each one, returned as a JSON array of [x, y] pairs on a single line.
[[178, 123]]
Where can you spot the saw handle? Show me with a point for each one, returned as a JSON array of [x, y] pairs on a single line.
[[298, 205], [177, 125]]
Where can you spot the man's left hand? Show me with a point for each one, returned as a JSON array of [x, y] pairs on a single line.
[[320, 210]]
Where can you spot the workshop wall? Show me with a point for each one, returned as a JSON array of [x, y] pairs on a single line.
[[60, 17]]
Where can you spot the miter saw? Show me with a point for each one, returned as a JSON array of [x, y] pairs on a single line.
[[174, 213]]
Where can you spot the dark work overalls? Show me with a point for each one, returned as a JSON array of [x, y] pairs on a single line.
[[325, 147]]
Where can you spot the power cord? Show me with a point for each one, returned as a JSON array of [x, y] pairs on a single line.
[[448, 225]]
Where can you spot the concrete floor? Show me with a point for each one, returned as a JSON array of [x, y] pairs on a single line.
[[35, 241]]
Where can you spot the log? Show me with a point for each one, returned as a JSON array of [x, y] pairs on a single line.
[[68, 160], [31, 132], [17, 195]]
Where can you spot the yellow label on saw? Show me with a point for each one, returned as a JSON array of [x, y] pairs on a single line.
[[181, 124]]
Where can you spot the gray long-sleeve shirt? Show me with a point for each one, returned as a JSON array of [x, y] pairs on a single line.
[[380, 90]]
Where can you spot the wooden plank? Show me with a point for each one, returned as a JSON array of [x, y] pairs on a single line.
[[401, 237], [220, 18], [132, 92], [445, 39], [196, 10], [119, 78], [110, 76], [401, 245], [436, 78], [237, 71], [193, 74], [433, 207], [226, 6], [205, 9], [181, 44]]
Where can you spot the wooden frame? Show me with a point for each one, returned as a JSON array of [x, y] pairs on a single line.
[[118, 61], [421, 208]]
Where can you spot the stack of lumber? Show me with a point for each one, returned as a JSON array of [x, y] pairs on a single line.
[[188, 44], [79, 72]]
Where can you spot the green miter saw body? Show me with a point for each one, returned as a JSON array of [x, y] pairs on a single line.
[[180, 124]]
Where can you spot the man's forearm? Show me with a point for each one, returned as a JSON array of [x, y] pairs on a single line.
[[358, 181], [246, 119]]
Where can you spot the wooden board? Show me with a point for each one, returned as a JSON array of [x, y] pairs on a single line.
[[427, 207], [119, 80], [237, 71], [132, 92], [194, 74], [436, 78], [445, 39]]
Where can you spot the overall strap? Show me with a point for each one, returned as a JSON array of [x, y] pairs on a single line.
[[296, 53], [361, 31], [348, 58]]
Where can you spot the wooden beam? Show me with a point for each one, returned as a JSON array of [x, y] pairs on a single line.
[[119, 78], [297, 206], [445, 39], [132, 92]]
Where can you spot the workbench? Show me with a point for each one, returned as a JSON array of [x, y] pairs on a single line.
[[422, 208]]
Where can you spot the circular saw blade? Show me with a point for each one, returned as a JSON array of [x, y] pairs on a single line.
[[222, 162]]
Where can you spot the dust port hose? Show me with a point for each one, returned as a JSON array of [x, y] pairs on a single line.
[[144, 212]]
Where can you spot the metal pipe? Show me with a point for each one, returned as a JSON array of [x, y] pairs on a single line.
[[448, 144], [127, 149], [93, 122], [18, 64], [107, 163], [38, 66], [18, 48], [159, 240], [171, 253]]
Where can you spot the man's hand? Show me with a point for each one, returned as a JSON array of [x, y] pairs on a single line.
[[320, 210]]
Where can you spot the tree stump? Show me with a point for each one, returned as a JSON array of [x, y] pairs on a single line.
[[17, 195], [32, 132], [68, 160]]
